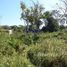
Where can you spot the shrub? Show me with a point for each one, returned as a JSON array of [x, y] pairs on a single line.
[[29, 38], [44, 29], [52, 25], [62, 27]]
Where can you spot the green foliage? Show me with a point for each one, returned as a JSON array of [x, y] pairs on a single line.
[[49, 54], [32, 15], [41, 49], [52, 25], [6, 27], [29, 38], [62, 27], [47, 14]]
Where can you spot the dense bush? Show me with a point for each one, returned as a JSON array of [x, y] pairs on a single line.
[[52, 25], [44, 29], [62, 27], [29, 38]]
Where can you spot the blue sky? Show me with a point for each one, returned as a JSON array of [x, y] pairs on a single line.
[[10, 11]]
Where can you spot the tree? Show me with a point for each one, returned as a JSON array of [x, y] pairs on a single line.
[[65, 6], [32, 15], [5, 27], [52, 24], [62, 9]]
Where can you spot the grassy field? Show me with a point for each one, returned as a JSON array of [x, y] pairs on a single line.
[[33, 50]]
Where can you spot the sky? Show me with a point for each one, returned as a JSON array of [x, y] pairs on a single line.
[[10, 11]]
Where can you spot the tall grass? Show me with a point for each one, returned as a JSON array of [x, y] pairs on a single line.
[[33, 50]]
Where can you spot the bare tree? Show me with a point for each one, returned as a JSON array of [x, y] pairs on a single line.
[[63, 9], [61, 12]]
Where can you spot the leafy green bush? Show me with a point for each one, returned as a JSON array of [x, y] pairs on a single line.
[[52, 25], [62, 27], [29, 39]]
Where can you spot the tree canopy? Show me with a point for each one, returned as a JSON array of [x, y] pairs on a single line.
[[32, 15]]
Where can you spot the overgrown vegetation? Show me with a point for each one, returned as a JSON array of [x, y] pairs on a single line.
[[35, 50], [28, 46]]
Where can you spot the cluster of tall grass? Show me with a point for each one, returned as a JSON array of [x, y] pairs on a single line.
[[33, 50]]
